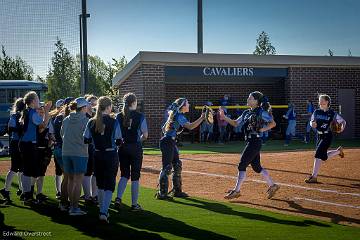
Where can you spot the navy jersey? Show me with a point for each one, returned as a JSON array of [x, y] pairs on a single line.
[[179, 121], [245, 119], [14, 126], [323, 119], [43, 137], [137, 126], [30, 127], [57, 122], [107, 138]]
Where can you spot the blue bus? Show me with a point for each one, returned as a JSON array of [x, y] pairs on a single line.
[[10, 90]]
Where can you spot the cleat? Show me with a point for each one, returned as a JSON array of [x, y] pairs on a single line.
[[232, 194], [18, 192], [160, 196], [118, 202], [272, 190], [58, 195], [5, 194], [104, 218], [76, 212], [311, 179], [41, 197], [63, 207], [341, 151], [180, 194], [136, 208]]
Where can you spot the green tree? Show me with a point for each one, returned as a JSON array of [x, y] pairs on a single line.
[[63, 74], [263, 45], [113, 68], [14, 68]]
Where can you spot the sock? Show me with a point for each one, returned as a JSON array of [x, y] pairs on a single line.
[[241, 178], [19, 179], [134, 192], [106, 201], [101, 193], [94, 188], [121, 187], [26, 183], [9, 178], [267, 177], [39, 184], [317, 163], [86, 186], [58, 180], [333, 153]]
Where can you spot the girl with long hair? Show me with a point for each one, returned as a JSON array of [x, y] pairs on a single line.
[[16, 160], [104, 132], [254, 122], [134, 130], [30, 120], [320, 120], [169, 150]]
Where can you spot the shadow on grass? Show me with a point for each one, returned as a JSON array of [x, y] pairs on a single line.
[[122, 224], [5, 230], [297, 208], [224, 209]]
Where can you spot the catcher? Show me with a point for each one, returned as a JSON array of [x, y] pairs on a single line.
[[170, 153], [254, 122], [326, 122]]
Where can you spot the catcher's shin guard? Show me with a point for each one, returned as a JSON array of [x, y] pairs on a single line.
[[177, 181], [164, 181]]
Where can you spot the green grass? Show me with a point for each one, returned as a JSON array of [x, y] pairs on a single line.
[[191, 218], [236, 147], [4, 158]]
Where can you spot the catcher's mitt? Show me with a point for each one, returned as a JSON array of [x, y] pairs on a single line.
[[209, 114], [335, 126], [256, 122]]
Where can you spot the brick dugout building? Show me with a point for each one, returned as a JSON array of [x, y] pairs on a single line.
[[158, 78]]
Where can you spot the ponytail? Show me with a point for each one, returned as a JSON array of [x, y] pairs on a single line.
[[102, 104], [128, 100]]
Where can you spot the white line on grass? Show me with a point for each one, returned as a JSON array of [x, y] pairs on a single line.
[[260, 181], [328, 203]]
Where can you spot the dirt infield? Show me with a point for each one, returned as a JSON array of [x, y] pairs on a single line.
[[336, 198]]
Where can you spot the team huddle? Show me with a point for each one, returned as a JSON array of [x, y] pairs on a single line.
[[89, 144]]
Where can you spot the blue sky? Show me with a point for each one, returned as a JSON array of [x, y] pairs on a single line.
[[307, 27], [125, 27]]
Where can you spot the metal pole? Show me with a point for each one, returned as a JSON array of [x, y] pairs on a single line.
[[200, 27], [84, 43], [82, 83]]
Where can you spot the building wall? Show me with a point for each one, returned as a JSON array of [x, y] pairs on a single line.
[[148, 83], [305, 83]]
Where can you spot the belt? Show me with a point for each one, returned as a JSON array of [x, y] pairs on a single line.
[[105, 150], [322, 132], [252, 136], [173, 138]]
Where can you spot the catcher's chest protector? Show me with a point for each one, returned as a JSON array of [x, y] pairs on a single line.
[[323, 119]]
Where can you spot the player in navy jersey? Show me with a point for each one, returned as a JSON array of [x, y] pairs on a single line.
[[57, 122], [44, 143], [320, 120], [134, 131], [104, 132], [254, 122], [30, 120], [16, 160], [170, 153]]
